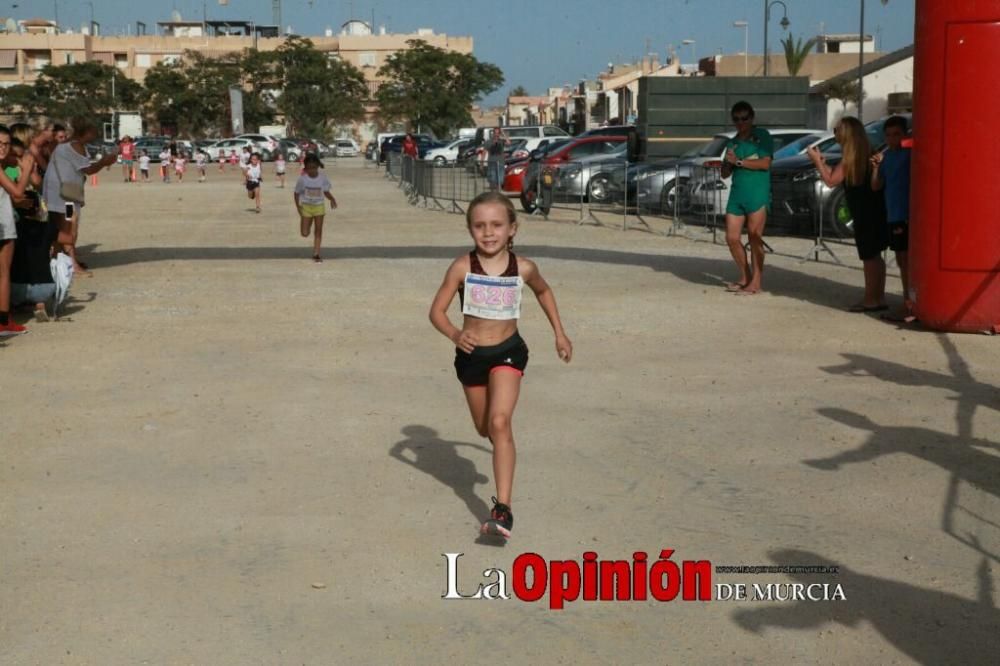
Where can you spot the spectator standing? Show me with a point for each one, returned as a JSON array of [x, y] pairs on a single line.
[[9, 192], [891, 174], [748, 160], [70, 164], [127, 148], [871, 232], [495, 157]]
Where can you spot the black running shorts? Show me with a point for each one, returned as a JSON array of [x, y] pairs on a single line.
[[474, 369]]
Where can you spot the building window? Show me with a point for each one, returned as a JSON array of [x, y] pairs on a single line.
[[142, 60], [70, 59], [366, 59], [40, 62], [121, 60]]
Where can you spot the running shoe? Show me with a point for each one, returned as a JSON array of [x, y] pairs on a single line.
[[501, 520], [11, 329]]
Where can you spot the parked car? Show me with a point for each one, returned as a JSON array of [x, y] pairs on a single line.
[[449, 152], [534, 134], [573, 151], [517, 171], [346, 148], [589, 177], [153, 145], [306, 145], [324, 149], [263, 144], [290, 150], [799, 197], [226, 146], [655, 183], [395, 145]]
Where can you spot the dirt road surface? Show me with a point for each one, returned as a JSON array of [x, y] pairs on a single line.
[[226, 454]]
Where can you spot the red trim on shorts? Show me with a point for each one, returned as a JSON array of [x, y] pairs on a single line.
[[508, 368]]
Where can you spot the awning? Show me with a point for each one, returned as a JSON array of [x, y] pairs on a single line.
[[8, 58], [103, 58]]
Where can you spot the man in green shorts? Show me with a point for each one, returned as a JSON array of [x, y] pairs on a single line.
[[748, 160]]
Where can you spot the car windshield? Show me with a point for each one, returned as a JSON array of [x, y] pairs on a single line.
[[714, 148], [795, 147]]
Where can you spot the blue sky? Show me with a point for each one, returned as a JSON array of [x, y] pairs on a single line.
[[537, 43]]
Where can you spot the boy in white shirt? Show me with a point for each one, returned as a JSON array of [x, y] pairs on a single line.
[[310, 190], [144, 166], [165, 164]]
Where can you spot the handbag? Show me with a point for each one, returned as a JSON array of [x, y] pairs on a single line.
[[71, 191]]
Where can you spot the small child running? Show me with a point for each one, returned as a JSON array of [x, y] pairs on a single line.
[[310, 190], [234, 159], [165, 164], [179, 166], [251, 178], [490, 356], [199, 161], [144, 166], [279, 169]]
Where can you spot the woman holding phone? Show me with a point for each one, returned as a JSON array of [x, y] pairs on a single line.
[[71, 164]]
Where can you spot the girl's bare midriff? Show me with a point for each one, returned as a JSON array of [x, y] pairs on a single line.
[[489, 332]]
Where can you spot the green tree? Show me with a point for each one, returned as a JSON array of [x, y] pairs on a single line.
[[845, 90], [22, 100], [796, 53], [432, 88], [259, 83], [519, 91], [85, 88], [317, 92], [165, 85]]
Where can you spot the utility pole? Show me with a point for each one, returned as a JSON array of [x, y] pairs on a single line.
[[861, 66], [276, 15]]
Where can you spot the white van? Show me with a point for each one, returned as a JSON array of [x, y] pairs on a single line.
[[534, 134]]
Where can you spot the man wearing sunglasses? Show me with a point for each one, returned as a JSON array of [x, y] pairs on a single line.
[[748, 161]]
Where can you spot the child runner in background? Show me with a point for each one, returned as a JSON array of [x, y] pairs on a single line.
[[144, 166], [199, 161], [165, 164], [179, 164], [245, 158], [490, 356], [234, 159], [279, 169], [222, 161], [251, 178], [310, 190], [891, 172]]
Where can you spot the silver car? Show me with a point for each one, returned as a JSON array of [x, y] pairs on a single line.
[[655, 183], [588, 176]]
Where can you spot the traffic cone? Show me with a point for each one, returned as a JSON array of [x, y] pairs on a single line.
[[93, 180]]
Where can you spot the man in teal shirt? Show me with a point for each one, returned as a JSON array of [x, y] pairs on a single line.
[[748, 160]]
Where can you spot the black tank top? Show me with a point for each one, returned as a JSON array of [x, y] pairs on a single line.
[[476, 268]]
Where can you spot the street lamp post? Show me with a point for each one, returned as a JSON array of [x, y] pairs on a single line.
[[861, 65], [746, 45], [767, 17], [693, 57]]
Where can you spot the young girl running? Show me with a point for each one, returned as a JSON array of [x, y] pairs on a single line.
[[144, 166], [490, 356], [251, 178], [199, 161], [310, 190], [279, 170], [180, 164]]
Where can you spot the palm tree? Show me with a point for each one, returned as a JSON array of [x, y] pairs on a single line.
[[796, 53]]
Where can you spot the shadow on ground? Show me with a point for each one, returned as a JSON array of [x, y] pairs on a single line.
[[929, 626]]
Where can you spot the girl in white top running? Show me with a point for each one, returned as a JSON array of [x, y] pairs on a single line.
[[490, 356], [251, 178]]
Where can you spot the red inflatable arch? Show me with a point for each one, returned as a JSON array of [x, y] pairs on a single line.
[[955, 188]]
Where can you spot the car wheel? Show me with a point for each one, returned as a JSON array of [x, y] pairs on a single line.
[[838, 215], [667, 198], [597, 189], [439, 160], [529, 200]]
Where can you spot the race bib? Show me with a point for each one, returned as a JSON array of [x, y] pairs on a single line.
[[489, 297]]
